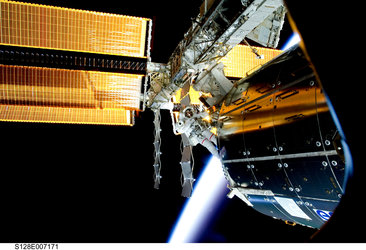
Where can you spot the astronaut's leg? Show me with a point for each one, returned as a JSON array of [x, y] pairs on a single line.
[[210, 136], [210, 146]]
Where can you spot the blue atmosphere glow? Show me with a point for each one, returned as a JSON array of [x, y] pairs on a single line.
[[198, 209], [294, 39]]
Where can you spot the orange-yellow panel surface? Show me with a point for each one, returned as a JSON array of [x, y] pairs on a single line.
[[81, 92], [41, 26], [65, 115], [241, 61], [193, 96]]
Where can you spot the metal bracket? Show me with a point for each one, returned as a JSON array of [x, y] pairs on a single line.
[[187, 169], [157, 152]]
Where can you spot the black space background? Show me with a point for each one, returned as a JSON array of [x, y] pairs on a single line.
[[85, 183]]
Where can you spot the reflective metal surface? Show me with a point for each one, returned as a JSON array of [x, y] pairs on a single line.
[[277, 134]]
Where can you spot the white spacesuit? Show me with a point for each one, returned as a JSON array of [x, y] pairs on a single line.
[[193, 126]]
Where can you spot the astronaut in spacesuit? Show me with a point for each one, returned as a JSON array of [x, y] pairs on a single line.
[[191, 123]]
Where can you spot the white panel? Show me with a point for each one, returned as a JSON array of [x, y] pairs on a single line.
[[291, 207]]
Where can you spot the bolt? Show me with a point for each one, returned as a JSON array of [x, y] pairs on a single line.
[[318, 143], [327, 142], [324, 163], [285, 165], [334, 163], [291, 189]]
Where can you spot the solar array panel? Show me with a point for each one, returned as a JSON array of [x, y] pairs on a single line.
[[241, 61], [74, 88], [97, 93], [41, 26], [21, 113]]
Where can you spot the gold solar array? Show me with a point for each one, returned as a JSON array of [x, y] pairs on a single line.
[[67, 96], [241, 61], [65, 115], [37, 94], [33, 25]]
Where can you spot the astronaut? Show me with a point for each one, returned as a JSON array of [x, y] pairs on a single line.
[[191, 123]]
